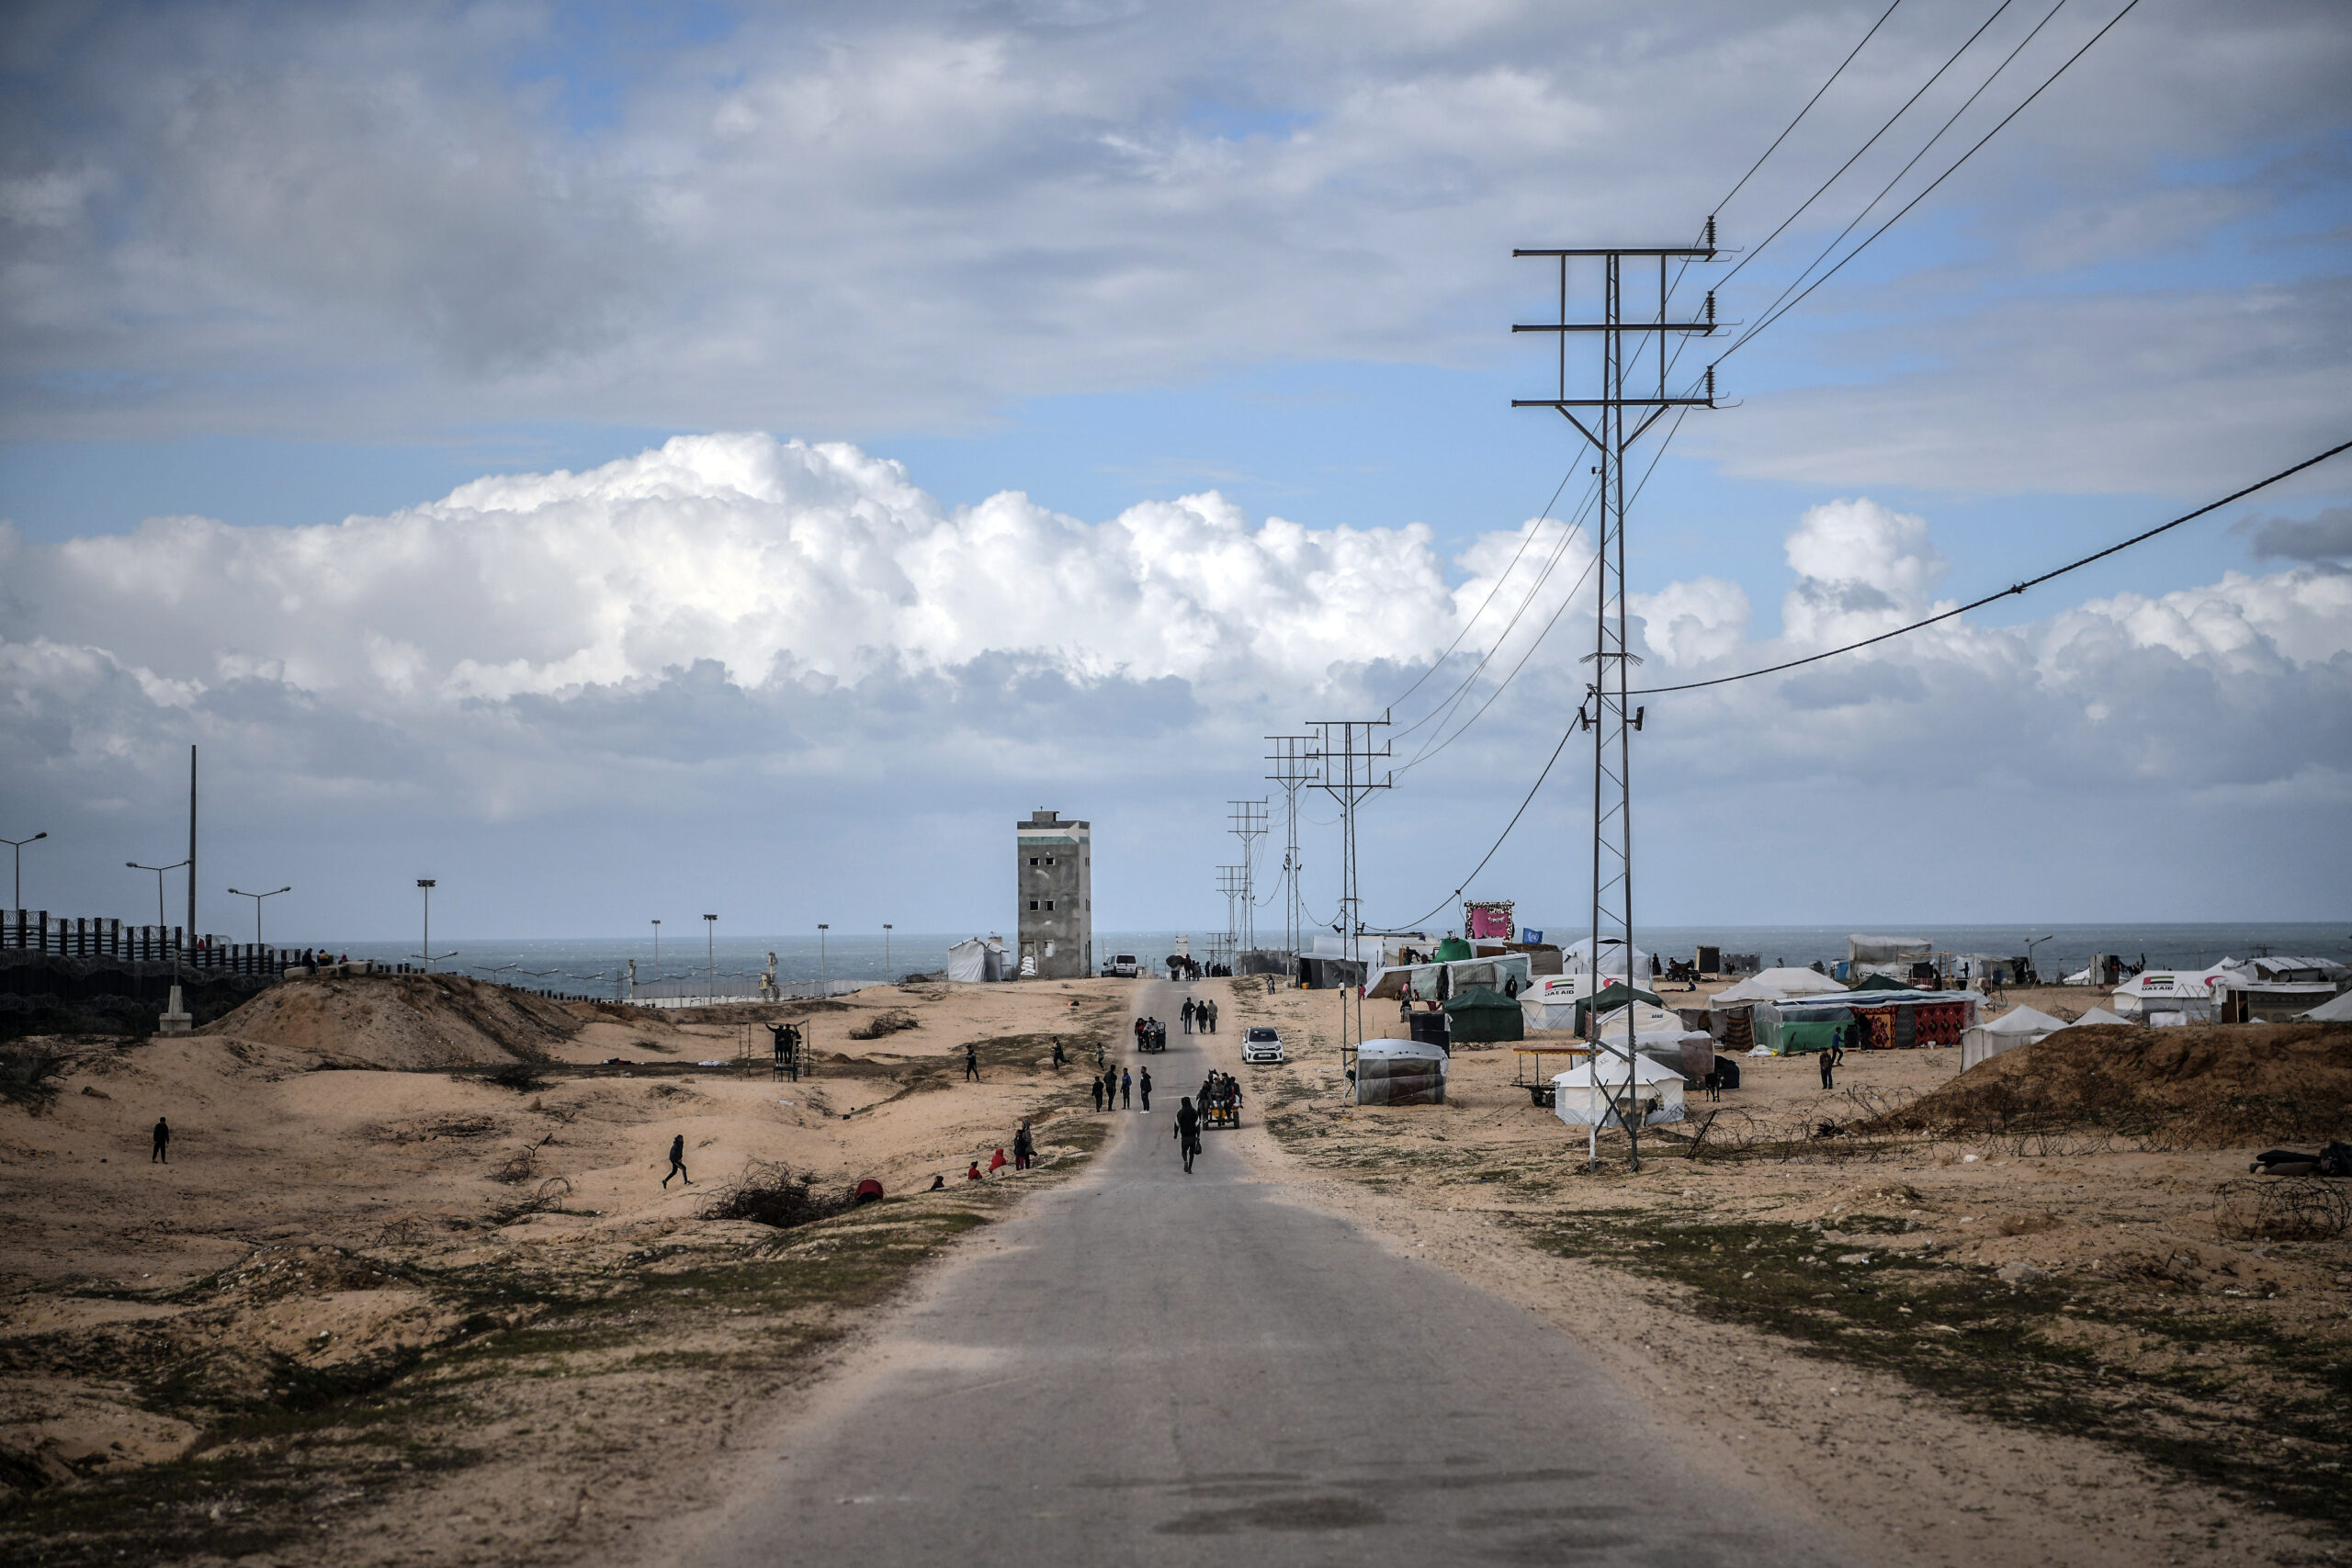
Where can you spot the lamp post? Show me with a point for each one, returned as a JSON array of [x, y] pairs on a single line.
[[427, 885], [159, 871], [257, 897], [886, 950], [19, 845], [2030, 944], [710, 953], [657, 953], [821, 929]]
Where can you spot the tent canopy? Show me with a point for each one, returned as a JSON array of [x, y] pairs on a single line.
[[1881, 983], [1576, 957], [1607, 999], [2336, 1011], [1452, 949], [2095, 1017], [1773, 985], [1479, 1014], [2024, 1021], [1507, 972], [1886, 949]]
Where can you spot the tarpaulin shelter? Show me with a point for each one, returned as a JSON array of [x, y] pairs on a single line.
[[2338, 1011], [1478, 1014], [1399, 1072], [1609, 998], [1508, 973], [1576, 958], [2019, 1026], [1881, 983], [974, 959], [1903, 949], [1593, 1094], [1453, 948], [2100, 1015], [1773, 985]]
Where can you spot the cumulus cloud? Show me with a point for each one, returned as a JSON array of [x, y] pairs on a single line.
[[2327, 536]]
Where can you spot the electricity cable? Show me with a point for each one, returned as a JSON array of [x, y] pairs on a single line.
[[1525, 540], [1749, 335], [1807, 109], [2005, 592], [1866, 146]]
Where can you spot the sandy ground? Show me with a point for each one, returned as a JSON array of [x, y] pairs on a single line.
[[378, 1305], [343, 1204], [1475, 1185]]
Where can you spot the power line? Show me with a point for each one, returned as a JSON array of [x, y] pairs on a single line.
[[2020, 588], [1802, 112], [2013, 588], [1525, 540], [1866, 146], [1749, 335]]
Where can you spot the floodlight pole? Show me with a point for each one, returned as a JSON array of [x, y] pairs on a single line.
[[427, 885], [822, 989], [257, 897], [710, 953], [1610, 424], [19, 845], [886, 950]]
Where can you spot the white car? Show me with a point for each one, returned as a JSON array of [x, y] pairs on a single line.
[[1261, 1043]]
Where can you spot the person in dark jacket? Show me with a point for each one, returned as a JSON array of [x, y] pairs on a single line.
[[1188, 1133], [1098, 1092], [1024, 1149], [678, 1160], [1143, 1083], [1126, 1090], [972, 1063], [163, 1143]]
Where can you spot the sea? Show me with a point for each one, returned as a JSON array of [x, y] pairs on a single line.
[[599, 965]]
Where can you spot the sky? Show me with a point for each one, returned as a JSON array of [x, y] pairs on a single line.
[[634, 460]]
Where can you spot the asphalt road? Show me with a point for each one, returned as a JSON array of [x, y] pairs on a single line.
[[1150, 1367]]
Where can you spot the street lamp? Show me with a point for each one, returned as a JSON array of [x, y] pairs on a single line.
[[657, 953], [886, 950], [710, 953], [19, 845], [821, 929], [257, 897], [427, 884], [2029, 943], [159, 871]]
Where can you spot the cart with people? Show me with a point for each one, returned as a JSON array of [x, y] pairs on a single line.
[[1221, 1102]]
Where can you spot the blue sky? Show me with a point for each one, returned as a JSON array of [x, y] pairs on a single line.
[[277, 267]]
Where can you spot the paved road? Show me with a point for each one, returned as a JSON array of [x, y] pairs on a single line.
[[1152, 1367]]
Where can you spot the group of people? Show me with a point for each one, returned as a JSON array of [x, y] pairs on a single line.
[[1151, 1034], [1117, 1087], [1219, 1089], [1201, 1014]]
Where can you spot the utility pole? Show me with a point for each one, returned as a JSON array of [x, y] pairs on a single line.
[[1610, 424], [191, 843], [1347, 771], [710, 953], [1248, 819], [1231, 880], [19, 845], [425, 885], [1292, 769]]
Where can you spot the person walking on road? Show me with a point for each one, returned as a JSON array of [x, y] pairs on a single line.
[[1187, 1134], [1024, 1149], [1144, 1084], [1828, 1060], [163, 1143], [1097, 1084], [677, 1161], [972, 1063], [1187, 1015], [1126, 1090], [1210, 1008]]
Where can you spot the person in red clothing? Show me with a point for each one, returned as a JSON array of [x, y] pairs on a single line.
[[973, 1174], [996, 1161]]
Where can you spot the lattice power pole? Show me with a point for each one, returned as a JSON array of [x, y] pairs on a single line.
[[1248, 819], [1293, 767], [1611, 423], [1349, 769], [1230, 881]]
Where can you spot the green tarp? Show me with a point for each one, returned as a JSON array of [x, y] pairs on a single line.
[[1880, 982], [1609, 998], [1801, 1037], [1478, 1014], [1452, 950]]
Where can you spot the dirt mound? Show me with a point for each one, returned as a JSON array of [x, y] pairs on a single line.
[[403, 1021], [2212, 1086]]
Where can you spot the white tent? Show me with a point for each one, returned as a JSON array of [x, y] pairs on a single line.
[[1576, 959], [1777, 984], [2019, 1026], [1400, 1072], [1648, 1020], [2167, 990], [2095, 1017], [1593, 1093], [1886, 949], [2336, 1011], [974, 959]]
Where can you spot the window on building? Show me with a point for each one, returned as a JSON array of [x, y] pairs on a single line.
[[1049, 904], [1033, 860], [1032, 906]]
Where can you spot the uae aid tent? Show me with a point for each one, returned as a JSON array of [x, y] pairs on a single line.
[[1576, 959], [1777, 984], [1593, 1094]]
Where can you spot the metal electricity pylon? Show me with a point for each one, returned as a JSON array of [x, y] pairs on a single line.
[[1611, 423], [1230, 881], [1248, 819], [1293, 767], [1349, 769]]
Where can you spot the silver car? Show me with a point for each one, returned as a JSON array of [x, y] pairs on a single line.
[[1261, 1043]]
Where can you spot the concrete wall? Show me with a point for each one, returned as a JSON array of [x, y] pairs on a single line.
[[1054, 901]]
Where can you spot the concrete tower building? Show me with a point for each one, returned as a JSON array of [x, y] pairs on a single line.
[[1054, 872]]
